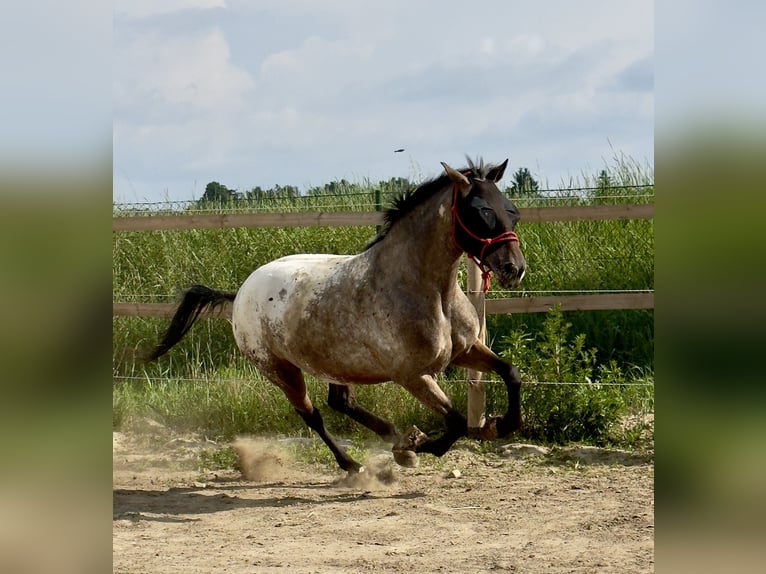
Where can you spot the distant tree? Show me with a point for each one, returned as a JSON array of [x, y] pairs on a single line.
[[257, 193], [287, 191], [396, 185], [524, 185], [339, 188], [217, 193]]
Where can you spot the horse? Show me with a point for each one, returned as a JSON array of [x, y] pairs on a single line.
[[393, 312]]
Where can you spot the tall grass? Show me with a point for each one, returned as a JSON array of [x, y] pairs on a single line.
[[566, 396]]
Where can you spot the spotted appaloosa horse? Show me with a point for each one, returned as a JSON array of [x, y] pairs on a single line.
[[393, 312]]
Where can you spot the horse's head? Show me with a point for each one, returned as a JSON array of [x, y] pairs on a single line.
[[483, 223]]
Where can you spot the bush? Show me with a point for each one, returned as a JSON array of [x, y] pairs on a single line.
[[568, 397]]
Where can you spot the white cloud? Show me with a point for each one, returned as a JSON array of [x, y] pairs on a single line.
[[194, 71], [137, 9], [179, 101], [527, 46]]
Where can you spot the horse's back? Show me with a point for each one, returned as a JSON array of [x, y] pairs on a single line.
[[284, 283], [276, 300], [280, 278]]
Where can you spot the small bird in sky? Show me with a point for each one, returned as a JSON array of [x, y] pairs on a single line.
[[401, 149]]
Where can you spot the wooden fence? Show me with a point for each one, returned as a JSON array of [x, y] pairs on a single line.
[[597, 302], [357, 218], [476, 393]]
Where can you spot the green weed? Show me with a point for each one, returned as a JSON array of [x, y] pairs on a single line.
[[569, 397], [222, 458]]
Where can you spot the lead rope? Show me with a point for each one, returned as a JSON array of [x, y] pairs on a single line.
[[505, 237]]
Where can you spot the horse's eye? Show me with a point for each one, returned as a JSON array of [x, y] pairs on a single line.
[[488, 216]]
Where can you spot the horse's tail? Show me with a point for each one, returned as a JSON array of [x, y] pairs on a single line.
[[195, 300]]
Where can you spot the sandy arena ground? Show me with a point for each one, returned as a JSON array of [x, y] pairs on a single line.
[[516, 509]]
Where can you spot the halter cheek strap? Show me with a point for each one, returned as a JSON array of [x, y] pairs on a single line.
[[485, 243]]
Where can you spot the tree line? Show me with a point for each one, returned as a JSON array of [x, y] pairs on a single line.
[[522, 185]]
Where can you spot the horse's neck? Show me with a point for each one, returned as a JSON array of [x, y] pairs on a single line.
[[420, 249]]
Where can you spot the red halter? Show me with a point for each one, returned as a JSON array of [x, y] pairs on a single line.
[[505, 237]]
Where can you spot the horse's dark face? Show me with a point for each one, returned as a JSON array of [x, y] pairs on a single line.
[[484, 224]]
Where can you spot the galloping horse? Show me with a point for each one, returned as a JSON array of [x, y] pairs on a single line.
[[393, 312]]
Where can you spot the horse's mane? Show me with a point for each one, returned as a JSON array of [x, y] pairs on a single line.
[[407, 201]]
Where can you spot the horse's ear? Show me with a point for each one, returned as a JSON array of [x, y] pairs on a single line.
[[458, 178], [496, 173]]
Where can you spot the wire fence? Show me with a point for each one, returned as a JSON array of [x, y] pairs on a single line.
[[485, 379], [375, 199], [494, 294]]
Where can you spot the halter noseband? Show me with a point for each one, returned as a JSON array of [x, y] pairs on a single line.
[[485, 243]]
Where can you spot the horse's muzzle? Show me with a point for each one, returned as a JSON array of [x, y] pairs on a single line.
[[510, 274]]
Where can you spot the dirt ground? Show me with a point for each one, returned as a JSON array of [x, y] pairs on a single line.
[[511, 508]]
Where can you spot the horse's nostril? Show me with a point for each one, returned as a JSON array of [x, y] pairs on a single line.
[[513, 272]]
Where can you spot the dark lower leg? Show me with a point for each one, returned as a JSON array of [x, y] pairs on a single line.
[[456, 428], [289, 378], [482, 358], [315, 422], [428, 392], [511, 421], [341, 398]]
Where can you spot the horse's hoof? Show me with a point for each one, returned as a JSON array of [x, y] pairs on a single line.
[[406, 458], [508, 424], [489, 431], [412, 439], [404, 450], [486, 432]]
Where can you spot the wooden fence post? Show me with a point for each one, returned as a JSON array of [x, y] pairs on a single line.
[[477, 402]]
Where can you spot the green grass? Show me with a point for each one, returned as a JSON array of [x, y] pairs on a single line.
[[219, 458], [236, 402]]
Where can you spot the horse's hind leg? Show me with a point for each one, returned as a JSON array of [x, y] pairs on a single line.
[[482, 358], [341, 398], [289, 378]]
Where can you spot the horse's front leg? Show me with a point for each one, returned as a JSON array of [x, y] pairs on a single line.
[[482, 358], [427, 391]]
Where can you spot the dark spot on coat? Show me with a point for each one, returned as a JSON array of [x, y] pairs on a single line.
[[282, 293]]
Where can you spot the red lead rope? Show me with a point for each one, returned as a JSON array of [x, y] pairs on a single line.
[[505, 237]]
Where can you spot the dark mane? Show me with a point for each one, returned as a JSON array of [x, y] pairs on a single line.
[[409, 200]]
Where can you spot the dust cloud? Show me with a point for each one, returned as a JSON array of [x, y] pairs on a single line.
[[260, 461]]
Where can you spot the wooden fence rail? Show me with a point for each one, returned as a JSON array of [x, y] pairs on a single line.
[[357, 218], [598, 302]]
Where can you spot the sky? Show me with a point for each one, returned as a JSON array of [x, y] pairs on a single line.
[[298, 92]]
